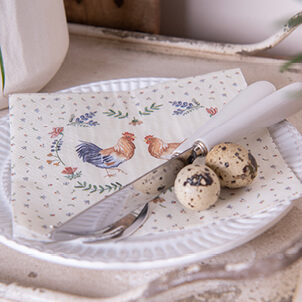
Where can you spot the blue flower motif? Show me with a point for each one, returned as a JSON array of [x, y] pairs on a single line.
[[184, 104], [185, 107], [178, 112], [85, 120]]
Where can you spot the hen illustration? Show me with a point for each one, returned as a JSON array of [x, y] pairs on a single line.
[[158, 148], [109, 158]]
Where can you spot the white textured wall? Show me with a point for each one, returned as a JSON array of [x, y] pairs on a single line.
[[232, 21]]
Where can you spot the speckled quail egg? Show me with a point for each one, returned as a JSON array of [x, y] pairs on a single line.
[[197, 187], [160, 179], [234, 165]]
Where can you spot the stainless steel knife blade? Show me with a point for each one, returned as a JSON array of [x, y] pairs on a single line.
[[259, 107]]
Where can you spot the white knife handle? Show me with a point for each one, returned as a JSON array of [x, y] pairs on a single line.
[[247, 97], [266, 112]]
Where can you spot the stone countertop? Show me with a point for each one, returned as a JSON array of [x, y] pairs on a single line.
[[92, 57]]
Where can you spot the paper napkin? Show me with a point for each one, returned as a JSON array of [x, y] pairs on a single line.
[[68, 151]]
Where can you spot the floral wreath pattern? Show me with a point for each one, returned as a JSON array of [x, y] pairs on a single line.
[[88, 120], [70, 172]]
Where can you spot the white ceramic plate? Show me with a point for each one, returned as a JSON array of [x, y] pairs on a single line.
[[155, 250]]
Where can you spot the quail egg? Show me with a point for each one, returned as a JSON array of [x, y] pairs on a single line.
[[197, 187], [234, 165]]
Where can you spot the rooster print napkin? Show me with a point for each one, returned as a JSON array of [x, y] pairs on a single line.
[[68, 151]]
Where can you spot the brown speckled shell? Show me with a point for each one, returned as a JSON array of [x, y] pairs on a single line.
[[234, 165], [197, 187]]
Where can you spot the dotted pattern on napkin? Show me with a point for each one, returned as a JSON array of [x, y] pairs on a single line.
[[68, 151]]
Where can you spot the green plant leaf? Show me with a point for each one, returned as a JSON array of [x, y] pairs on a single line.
[[288, 64], [2, 70], [295, 20]]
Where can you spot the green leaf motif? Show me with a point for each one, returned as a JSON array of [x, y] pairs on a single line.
[[81, 185], [115, 114], [152, 108], [120, 115], [2, 70], [101, 189], [74, 175], [94, 189]]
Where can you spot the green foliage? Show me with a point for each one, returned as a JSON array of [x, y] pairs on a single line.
[[288, 64], [2, 69], [293, 22]]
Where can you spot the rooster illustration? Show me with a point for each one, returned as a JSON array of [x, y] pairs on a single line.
[[109, 158], [158, 148]]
